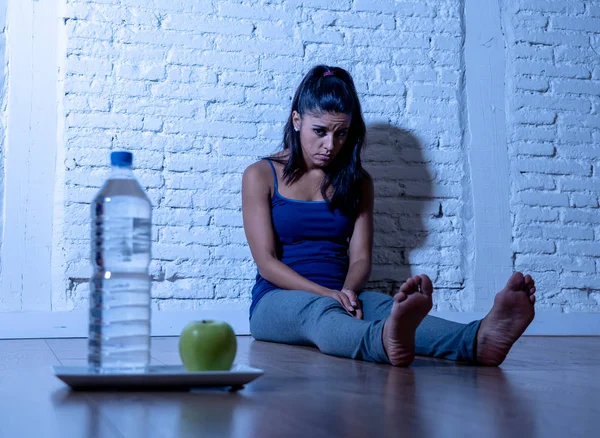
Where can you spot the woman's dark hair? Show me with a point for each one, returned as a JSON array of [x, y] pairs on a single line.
[[327, 89]]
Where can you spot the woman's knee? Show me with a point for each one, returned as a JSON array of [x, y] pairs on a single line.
[[327, 305]]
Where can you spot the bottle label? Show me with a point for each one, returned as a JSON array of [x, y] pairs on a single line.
[[122, 236]]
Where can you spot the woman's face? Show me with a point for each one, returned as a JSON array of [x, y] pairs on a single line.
[[322, 136]]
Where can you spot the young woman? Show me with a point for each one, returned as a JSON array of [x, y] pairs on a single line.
[[308, 218]]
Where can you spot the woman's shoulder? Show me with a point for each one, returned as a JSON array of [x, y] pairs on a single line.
[[365, 179], [260, 172], [257, 171], [262, 166]]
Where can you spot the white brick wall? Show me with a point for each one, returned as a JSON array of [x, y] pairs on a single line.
[[553, 97], [200, 89], [3, 71]]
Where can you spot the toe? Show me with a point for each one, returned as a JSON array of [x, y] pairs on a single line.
[[400, 296], [406, 287], [532, 299], [417, 280], [516, 281], [426, 285], [409, 286]]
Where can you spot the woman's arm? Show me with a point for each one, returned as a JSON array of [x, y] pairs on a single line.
[[361, 242], [258, 226]]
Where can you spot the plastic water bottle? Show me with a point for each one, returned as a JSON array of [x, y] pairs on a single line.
[[119, 320]]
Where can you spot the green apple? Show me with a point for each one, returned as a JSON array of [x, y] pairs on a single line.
[[207, 346]]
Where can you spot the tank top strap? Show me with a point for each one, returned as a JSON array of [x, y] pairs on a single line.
[[274, 174]]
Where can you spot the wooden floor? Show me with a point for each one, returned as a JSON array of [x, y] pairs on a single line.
[[549, 387]]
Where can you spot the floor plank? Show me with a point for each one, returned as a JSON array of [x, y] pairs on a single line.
[[548, 386]]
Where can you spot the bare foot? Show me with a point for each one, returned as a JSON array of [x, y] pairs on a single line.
[[512, 312], [411, 304]]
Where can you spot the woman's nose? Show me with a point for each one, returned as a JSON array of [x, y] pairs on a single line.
[[329, 143]]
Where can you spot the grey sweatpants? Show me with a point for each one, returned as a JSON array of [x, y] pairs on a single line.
[[303, 318]]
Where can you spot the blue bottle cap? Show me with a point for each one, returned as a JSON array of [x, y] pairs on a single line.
[[121, 158]]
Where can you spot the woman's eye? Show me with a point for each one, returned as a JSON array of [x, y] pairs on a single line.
[[343, 134], [319, 132]]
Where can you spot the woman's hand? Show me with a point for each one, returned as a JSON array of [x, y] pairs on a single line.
[[349, 300]]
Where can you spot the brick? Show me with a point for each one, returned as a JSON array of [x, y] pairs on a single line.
[[177, 198], [580, 184], [147, 72], [85, 65], [575, 135], [222, 129], [587, 216], [547, 69], [232, 289], [534, 246], [530, 231], [552, 102], [247, 113], [86, 29], [580, 281], [212, 58], [578, 201], [162, 37], [556, 6], [581, 152], [257, 47], [229, 147], [267, 12], [121, 121], [532, 83], [529, 21], [365, 20], [544, 199], [580, 120], [200, 24], [535, 149], [575, 23], [579, 55], [381, 6], [173, 216], [536, 214], [87, 177], [555, 262], [550, 38], [185, 288], [538, 117], [387, 39], [424, 91], [534, 181], [268, 30], [576, 86], [535, 132], [311, 35], [228, 218], [332, 5], [553, 167], [185, 181], [233, 252], [535, 52], [221, 201], [568, 232], [446, 59]]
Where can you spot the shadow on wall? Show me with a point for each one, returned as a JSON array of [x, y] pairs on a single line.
[[403, 191]]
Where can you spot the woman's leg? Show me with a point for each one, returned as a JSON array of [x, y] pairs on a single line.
[[435, 337], [302, 318]]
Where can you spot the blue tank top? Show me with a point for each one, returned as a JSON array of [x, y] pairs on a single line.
[[310, 239]]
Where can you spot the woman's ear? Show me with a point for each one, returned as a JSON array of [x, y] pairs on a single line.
[[296, 120]]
